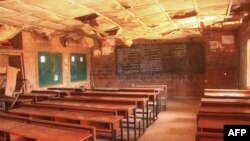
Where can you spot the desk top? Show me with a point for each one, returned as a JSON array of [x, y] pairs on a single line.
[[65, 88], [231, 109], [96, 97], [44, 133], [87, 116], [226, 90], [6, 125], [9, 99], [120, 93], [225, 101], [50, 91], [228, 94], [147, 89], [135, 89], [127, 108], [39, 94]]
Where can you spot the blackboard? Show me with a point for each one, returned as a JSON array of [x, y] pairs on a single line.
[[181, 58]]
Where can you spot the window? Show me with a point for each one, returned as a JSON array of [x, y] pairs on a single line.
[[77, 67], [248, 63], [50, 68]]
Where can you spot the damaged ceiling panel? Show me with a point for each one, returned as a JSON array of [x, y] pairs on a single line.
[[135, 3], [174, 5], [75, 11], [140, 11], [126, 19]]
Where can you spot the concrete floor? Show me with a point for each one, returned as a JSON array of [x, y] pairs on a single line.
[[177, 123]]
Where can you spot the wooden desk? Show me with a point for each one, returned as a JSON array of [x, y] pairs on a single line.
[[219, 101], [102, 122], [8, 124], [72, 108], [19, 100], [67, 89], [226, 90], [59, 93], [225, 109], [162, 92], [228, 94], [21, 128], [123, 110], [131, 89], [216, 121], [151, 86], [151, 96], [139, 102], [159, 92], [37, 96], [43, 133]]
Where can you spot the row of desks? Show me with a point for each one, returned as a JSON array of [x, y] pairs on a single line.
[[103, 116], [18, 128], [153, 97], [91, 100], [216, 111], [104, 122]]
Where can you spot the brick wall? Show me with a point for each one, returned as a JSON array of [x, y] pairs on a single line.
[[222, 61], [221, 69], [244, 36]]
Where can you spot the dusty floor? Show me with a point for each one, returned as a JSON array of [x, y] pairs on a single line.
[[177, 123]]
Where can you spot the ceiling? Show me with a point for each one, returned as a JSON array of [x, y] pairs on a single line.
[[126, 19]]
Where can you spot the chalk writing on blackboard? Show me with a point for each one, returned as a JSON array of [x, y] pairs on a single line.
[[182, 58]]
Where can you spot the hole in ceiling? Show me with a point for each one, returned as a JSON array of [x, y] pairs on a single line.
[[112, 31], [182, 15], [87, 18]]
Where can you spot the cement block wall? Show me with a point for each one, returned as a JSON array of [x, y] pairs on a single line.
[[32, 43]]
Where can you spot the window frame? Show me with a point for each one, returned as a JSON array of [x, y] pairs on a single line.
[[77, 63], [50, 75]]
